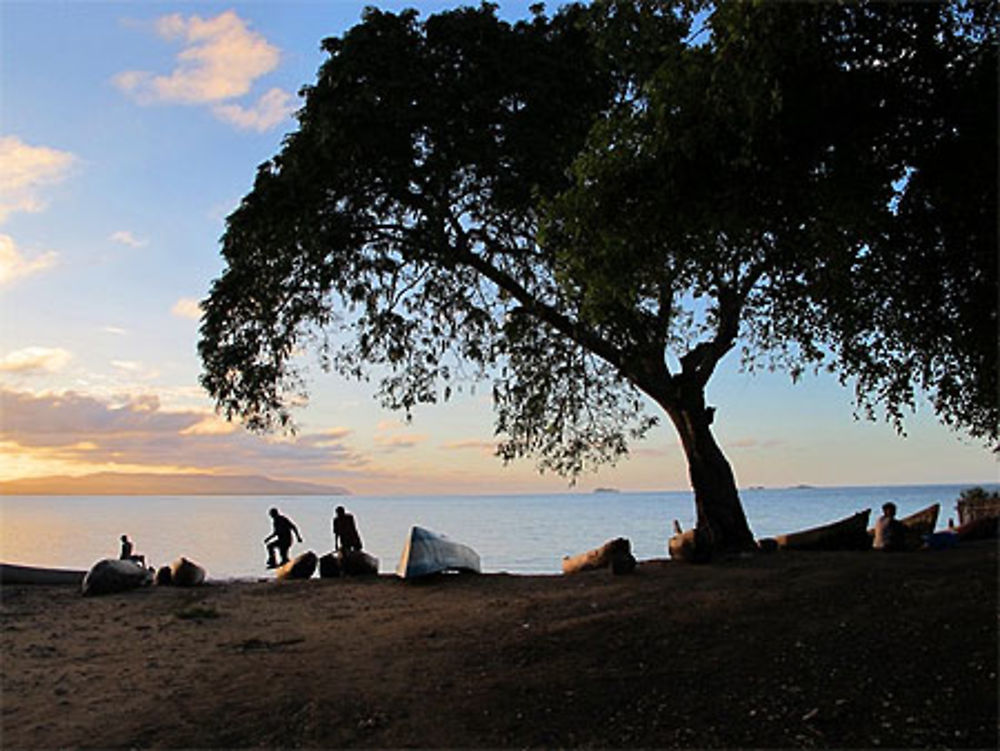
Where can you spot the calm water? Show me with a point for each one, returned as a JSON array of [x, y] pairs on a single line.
[[518, 533]]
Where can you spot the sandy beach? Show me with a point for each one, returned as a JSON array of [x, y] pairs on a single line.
[[807, 650]]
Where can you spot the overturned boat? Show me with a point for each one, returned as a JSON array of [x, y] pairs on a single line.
[[427, 553], [13, 573]]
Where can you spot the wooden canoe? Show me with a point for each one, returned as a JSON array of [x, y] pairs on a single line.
[[918, 525], [616, 553], [300, 567], [186, 573], [12, 573], [846, 534], [427, 553]]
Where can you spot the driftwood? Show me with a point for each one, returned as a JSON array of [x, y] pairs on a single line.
[[689, 547], [615, 553]]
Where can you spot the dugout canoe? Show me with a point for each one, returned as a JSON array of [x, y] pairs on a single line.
[[14, 573], [850, 533], [300, 567], [427, 553]]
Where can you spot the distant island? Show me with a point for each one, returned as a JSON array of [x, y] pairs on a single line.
[[606, 490], [121, 483]]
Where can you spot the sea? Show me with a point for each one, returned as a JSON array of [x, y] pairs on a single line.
[[518, 534]]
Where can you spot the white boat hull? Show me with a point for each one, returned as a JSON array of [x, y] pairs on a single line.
[[427, 553]]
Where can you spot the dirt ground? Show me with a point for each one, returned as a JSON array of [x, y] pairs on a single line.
[[792, 650]]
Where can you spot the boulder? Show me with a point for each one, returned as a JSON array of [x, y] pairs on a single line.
[[301, 567], [186, 573], [111, 575]]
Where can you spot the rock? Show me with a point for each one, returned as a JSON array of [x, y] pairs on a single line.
[[301, 567], [186, 573], [111, 575], [164, 577]]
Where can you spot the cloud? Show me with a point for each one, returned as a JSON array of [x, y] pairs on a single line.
[[187, 307], [220, 60], [24, 170], [13, 265], [754, 443], [35, 360], [270, 109], [125, 237], [396, 442], [488, 447], [389, 438], [129, 366], [84, 432], [116, 330], [326, 438]]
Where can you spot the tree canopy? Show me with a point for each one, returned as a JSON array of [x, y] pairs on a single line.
[[603, 203]]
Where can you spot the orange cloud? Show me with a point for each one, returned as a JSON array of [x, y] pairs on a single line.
[[34, 360], [14, 265], [187, 307], [24, 170], [81, 433]]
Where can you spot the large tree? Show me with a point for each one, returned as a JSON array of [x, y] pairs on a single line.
[[598, 205]]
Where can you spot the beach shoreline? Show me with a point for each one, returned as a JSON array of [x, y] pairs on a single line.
[[807, 650]]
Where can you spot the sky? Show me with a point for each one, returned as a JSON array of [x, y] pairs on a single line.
[[128, 132]]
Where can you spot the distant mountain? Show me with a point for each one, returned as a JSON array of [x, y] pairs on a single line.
[[117, 483]]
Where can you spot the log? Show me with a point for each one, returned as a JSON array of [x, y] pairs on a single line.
[[688, 547], [615, 553]]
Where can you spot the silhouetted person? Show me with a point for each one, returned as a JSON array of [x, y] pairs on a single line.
[[281, 536], [345, 532], [127, 553], [890, 533]]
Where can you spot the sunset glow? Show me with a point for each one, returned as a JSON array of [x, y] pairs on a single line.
[[130, 132]]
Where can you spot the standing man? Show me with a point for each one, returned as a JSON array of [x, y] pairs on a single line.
[[281, 536], [345, 532]]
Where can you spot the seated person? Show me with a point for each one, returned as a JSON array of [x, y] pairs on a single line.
[[128, 555], [890, 533]]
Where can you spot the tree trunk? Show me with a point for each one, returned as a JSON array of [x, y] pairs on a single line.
[[721, 524]]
